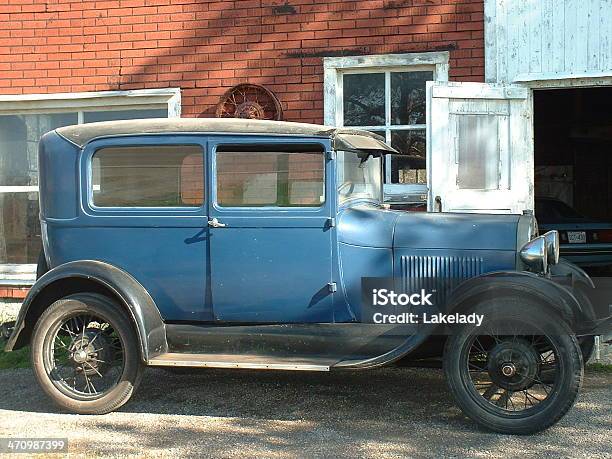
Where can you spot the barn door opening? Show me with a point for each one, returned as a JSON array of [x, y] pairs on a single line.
[[479, 148], [573, 172]]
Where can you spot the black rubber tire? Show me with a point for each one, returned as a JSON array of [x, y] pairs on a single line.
[[41, 265], [587, 346], [553, 408], [133, 365]]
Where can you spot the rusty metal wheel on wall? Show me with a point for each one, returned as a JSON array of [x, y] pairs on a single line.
[[249, 101]]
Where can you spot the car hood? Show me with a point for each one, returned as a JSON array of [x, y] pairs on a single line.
[[374, 227], [456, 231]]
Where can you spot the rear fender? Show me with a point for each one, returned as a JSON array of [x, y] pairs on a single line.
[[85, 276]]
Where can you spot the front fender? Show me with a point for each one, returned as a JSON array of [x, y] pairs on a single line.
[[135, 298], [520, 283], [565, 268], [489, 286]]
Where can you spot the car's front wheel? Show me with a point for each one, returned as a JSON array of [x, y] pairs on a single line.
[[519, 372], [85, 354]]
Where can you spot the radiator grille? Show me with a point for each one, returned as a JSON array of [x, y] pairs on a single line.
[[434, 272]]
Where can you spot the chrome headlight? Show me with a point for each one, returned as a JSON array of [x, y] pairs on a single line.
[[552, 244], [535, 254]]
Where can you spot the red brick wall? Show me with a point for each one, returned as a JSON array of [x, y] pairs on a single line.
[[206, 46], [13, 292]]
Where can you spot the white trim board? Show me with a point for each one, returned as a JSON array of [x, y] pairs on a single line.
[[334, 67], [543, 81], [119, 100]]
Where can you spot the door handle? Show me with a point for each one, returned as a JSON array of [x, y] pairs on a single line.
[[214, 223]]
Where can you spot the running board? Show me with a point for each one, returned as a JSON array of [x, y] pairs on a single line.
[[252, 362]]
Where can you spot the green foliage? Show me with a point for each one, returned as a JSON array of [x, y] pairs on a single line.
[[15, 359], [599, 368]]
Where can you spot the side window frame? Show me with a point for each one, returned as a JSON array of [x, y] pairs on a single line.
[[323, 209], [86, 175]]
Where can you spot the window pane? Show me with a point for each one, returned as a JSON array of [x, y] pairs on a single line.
[[478, 152], [359, 176], [19, 228], [153, 176], [364, 99], [408, 97], [410, 168], [192, 180], [19, 136], [111, 115], [279, 179]]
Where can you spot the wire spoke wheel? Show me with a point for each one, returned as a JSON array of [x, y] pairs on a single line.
[[512, 372], [84, 356], [86, 353], [249, 101], [519, 372]]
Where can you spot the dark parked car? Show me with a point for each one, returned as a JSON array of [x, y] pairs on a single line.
[[266, 245], [584, 241]]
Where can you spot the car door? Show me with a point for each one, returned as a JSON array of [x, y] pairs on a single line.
[[270, 230], [143, 209], [479, 148]]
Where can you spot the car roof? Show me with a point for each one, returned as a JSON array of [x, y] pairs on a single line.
[[342, 138]]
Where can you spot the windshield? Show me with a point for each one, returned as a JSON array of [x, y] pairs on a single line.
[[359, 176]]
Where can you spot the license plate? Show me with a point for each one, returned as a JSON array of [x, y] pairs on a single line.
[[576, 237]]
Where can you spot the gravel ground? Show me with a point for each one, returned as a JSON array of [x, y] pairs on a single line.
[[395, 412]]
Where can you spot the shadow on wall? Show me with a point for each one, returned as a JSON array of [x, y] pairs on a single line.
[[205, 58]]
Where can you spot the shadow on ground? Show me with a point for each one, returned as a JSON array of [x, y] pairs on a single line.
[[388, 412]]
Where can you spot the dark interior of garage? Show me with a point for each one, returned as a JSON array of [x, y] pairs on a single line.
[[573, 149]]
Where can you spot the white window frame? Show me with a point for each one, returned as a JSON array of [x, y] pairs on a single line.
[[336, 67], [80, 102]]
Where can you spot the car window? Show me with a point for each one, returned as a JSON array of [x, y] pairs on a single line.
[[148, 176], [359, 176], [260, 176]]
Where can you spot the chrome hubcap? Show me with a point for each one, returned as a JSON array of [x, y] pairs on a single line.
[[80, 356], [508, 370]]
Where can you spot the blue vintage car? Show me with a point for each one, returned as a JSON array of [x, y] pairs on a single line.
[[252, 244]]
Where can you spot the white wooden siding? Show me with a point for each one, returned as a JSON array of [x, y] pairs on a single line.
[[536, 40]]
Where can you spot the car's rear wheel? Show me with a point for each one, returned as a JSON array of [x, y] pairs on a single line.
[[519, 373], [85, 354]]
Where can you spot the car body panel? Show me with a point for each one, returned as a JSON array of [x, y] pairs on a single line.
[[256, 252], [367, 225], [163, 248], [456, 231]]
